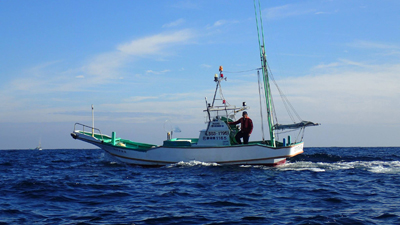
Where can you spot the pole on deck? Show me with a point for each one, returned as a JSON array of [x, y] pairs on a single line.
[[92, 121]]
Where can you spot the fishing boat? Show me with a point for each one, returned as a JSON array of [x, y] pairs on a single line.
[[216, 143]]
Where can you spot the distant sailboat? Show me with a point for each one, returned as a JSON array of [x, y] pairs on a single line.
[[39, 147]]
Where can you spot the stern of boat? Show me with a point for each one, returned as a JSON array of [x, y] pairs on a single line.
[[296, 149]]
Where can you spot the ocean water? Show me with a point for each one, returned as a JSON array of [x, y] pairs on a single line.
[[321, 186]]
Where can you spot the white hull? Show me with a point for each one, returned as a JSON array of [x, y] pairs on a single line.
[[227, 155]]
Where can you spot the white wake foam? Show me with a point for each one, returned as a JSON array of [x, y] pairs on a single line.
[[371, 166], [193, 163]]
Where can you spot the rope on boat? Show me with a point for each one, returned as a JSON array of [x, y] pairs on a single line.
[[244, 71], [259, 93], [285, 100]]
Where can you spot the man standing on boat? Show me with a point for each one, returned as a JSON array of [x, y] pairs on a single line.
[[246, 128]]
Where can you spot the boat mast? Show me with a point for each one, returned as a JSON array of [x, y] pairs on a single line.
[[264, 66]]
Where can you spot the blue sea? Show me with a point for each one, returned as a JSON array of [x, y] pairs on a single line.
[[322, 186]]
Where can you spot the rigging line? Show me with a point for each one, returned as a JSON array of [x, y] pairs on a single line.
[[244, 71], [301, 129], [272, 99], [273, 111], [302, 134], [263, 100], [273, 108], [288, 131], [222, 96], [292, 130], [274, 114], [259, 93], [287, 102], [284, 98]]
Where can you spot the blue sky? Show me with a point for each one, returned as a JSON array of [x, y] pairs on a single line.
[[143, 62]]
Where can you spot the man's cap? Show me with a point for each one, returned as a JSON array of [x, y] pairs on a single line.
[[244, 112]]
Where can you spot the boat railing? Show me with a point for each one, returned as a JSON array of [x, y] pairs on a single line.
[[92, 129]]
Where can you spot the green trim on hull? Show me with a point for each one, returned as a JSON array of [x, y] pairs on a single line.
[[124, 143], [180, 142]]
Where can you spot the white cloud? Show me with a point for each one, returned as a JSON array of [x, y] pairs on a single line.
[[157, 72], [288, 10], [140, 98], [181, 106], [157, 43], [98, 69], [105, 65], [342, 93], [47, 77], [323, 66], [339, 64], [221, 23], [29, 93], [355, 94], [174, 23], [325, 12], [380, 48], [372, 45]]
